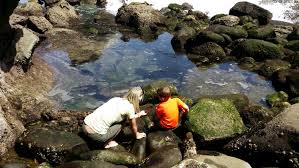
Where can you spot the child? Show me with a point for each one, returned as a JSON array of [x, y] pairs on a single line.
[[168, 110]]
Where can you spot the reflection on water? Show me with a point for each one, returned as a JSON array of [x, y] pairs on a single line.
[[126, 64]]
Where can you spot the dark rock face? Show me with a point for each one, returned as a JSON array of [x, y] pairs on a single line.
[[294, 35], [256, 12], [90, 164], [276, 141], [53, 146], [288, 81], [258, 49], [139, 148], [253, 115], [160, 139], [179, 40], [167, 156], [140, 16], [271, 66]]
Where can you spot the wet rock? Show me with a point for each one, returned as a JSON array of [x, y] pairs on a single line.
[[179, 40], [233, 32], [167, 156], [115, 157], [215, 118], [203, 37], [288, 81], [262, 33], [90, 164], [258, 49], [294, 35], [16, 19], [256, 12], [228, 20], [26, 41], [39, 24], [191, 163], [62, 14], [253, 115], [52, 146], [276, 98], [293, 45], [221, 160], [141, 16], [31, 8], [248, 63], [212, 51], [275, 142], [160, 139], [139, 149], [271, 66], [150, 91]]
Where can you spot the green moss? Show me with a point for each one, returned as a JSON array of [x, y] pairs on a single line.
[[293, 45], [215, 118], [171, 23], [233, 32], [217, 16], [261, 33], [175, 7], [276, 98]]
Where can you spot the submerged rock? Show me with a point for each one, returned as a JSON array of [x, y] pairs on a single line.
[[52, 146], [256, 12], [215, 118]]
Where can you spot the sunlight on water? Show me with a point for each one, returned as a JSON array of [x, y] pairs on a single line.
[[126, 64]]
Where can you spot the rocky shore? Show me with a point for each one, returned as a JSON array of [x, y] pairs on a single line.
[[221, 131]]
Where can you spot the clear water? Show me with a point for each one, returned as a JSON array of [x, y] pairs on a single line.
[[126, 64]]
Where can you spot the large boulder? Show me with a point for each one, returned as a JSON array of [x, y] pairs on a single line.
[[258, 49], [141, 16], [215, 119], [288, 81], [273, 65], [179, 39], [160, 139], [52, 146], [233, 32], [39, 24], [115, 157], [256, 12], [274, 143], [62, 14], [167, 156], [227, 20], [90, 164]]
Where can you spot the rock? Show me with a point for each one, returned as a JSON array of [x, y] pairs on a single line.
[[62, 14], [160, 139], [26, 41], [294, 35], [217, 16], [293, 45], [227, 20], [179, 39], [50, 2], [294, 100], [15, 165], [115, 157], [258, 49], [288, 81], [215, 118], [15, 19], [52, 146], [139, 149], [191, 163], [271, 66], [141, 16], [39, 24], [261, 33], [167, 156], [44, 165], [187, 6], [221, 160], [254, 114], [245, 19], [90, 2], [90, 164], [282, 30], [30, 9], [276, 141], [205, 36], [212, 51], [276, 98], [233, 32], [150, 91], [73, 2], [189, 146], [101, 3], [256, 12]]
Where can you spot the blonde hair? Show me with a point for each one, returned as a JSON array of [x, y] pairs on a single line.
[[133, 97]]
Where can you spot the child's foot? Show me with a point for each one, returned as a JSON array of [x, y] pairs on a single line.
[[111, 144]]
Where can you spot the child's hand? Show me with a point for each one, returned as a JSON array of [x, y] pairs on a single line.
[[140, 135], [142, 113]]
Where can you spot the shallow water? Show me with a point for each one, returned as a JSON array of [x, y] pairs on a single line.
[[126, 64]]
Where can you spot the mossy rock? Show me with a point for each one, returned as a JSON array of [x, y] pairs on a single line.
[[258, 49], [171, 23], [271, 66], [249, 26], [209, 36], [278, 41], [180, 38], [233, 32], [261, 33], [277, 98], [150, 91], [175, 7], [217, 16], [215, 119], [210, 50], [293, 45], [115, 157], [245, 19]]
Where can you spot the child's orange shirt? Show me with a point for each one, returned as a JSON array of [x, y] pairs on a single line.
[[168, 112]]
